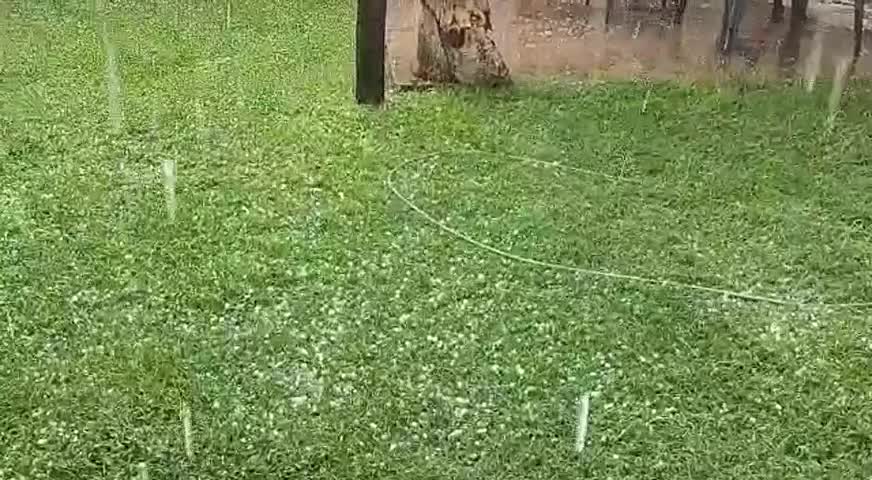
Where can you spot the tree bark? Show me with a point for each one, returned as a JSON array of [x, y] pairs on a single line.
[[799, 10], [680, 7], [789, 52], [456, 45], [617, 13], [734, 11], [777, 15]]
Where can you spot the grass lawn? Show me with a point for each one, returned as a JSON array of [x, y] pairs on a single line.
[[316, 327]]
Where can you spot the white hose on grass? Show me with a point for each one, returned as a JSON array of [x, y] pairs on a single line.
[[389, 181]]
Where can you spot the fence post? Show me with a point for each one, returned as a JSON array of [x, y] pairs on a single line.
[[370, 52]]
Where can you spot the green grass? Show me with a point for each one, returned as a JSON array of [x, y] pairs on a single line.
[[317, 328]]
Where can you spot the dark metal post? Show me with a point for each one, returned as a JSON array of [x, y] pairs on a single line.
[[370, 59]]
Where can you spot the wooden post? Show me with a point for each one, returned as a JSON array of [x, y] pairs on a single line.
[[370, 68], [859, 9]]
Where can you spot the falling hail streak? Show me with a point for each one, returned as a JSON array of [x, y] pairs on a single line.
[[168, 168], [143, 471], [581, 423], [839, 80], [203, 129], [813, 67], [113, 81], [186, 425]]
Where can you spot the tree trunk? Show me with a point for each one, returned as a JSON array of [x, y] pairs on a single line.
[[734, 10], [617, 13], [789, 52], [610, 7], [680, 7], [777, 15], [799, 10], [456, 45]]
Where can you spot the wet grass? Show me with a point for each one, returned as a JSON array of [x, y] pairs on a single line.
[[293, 319]]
